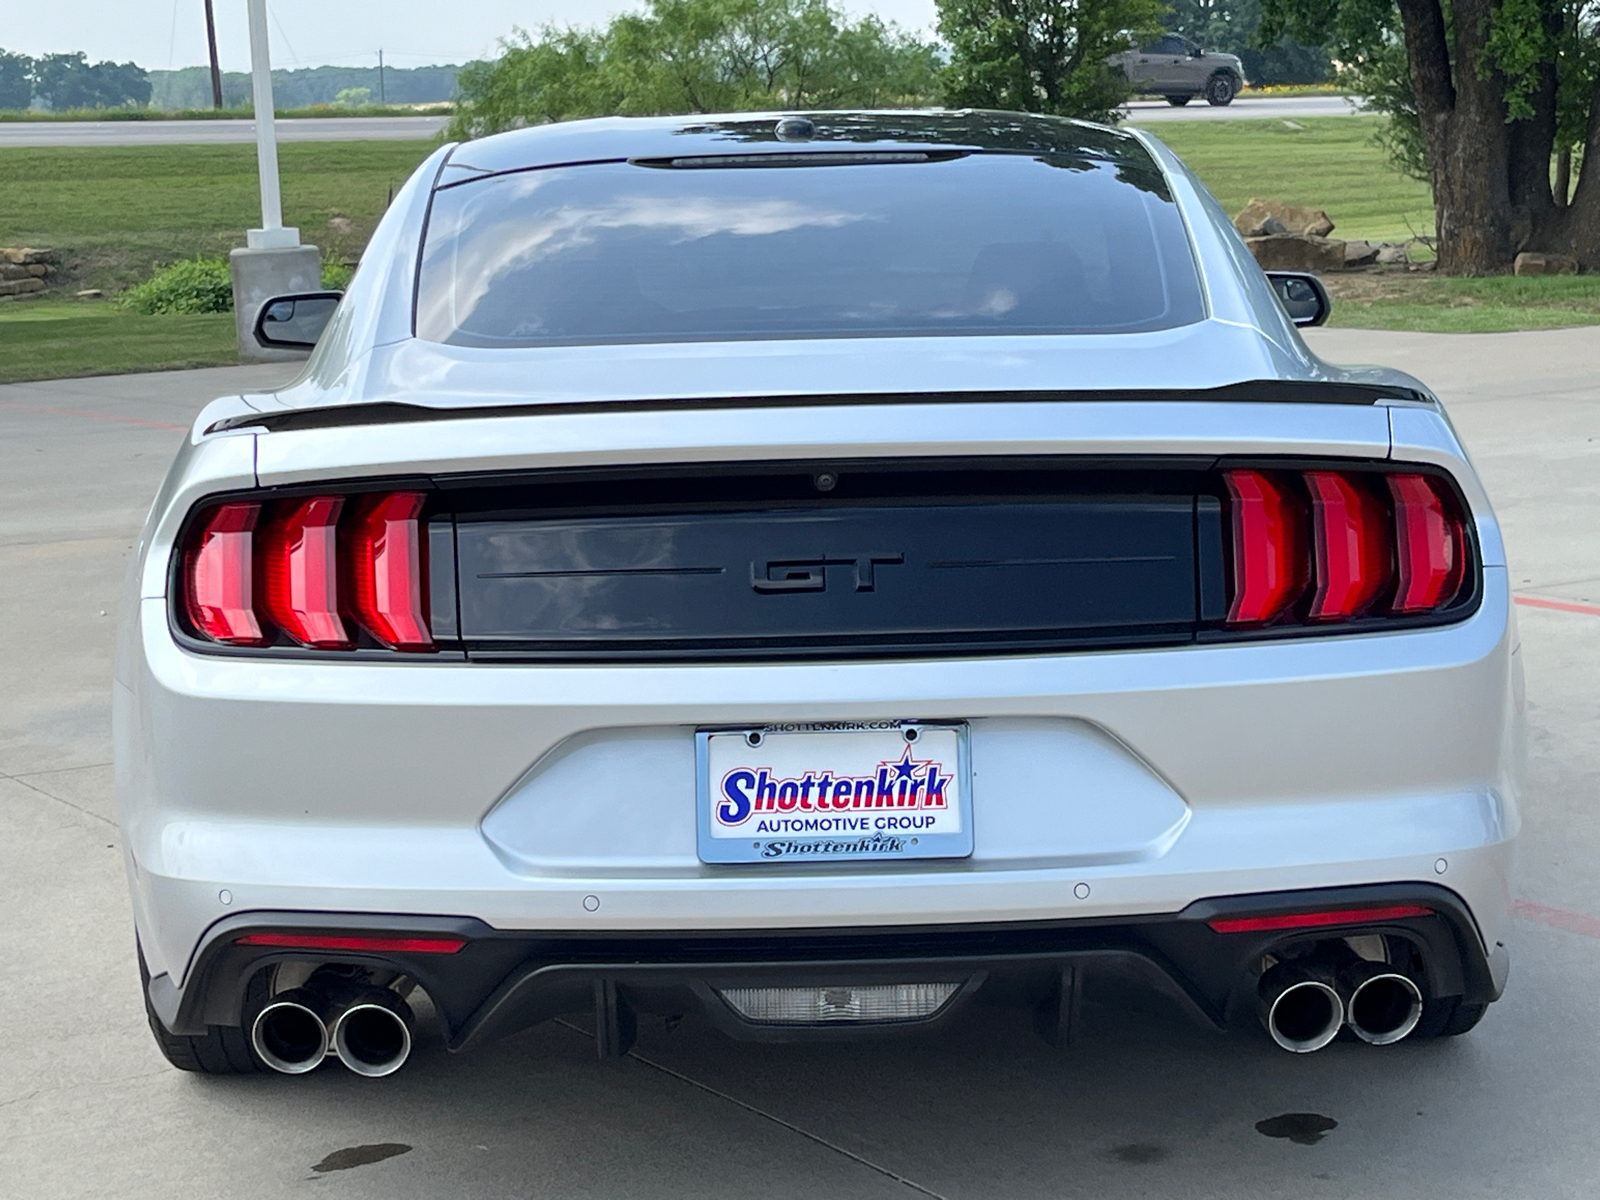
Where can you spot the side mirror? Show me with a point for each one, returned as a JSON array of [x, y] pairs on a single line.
[[1303, 297], [295, 322]]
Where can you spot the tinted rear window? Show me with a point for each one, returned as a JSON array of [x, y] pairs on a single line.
[[971, 244]]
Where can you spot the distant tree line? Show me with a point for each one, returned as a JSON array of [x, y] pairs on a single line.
[[190, 87], [60, 81], [712, 55]]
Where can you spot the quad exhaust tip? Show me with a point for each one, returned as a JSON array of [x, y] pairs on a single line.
[[1301, 1011], [289, 1034], [1384, 1008], [373, 1036]]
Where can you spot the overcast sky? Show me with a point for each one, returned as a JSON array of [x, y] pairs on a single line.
[[158, 34]]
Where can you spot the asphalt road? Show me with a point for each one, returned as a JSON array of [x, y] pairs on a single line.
[[346, 129], [1143, 112], [169, 133], [1147, 1105]]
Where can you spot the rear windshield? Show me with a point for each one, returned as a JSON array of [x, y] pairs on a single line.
[[703, 250]]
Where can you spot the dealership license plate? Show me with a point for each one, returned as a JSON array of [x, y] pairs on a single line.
[[861, 791]]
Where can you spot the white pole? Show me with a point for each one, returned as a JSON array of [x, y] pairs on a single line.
[[272, 233]]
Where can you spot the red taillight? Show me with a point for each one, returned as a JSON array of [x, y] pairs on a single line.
[[1364, 560], [1316, 920], [219, 575], [387, 585], [300, 571], [1351, 537], [1428, 545], [310, 571], [376, 945], [1267, 548]]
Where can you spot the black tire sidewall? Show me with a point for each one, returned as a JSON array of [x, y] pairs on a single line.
[[1220, 84]]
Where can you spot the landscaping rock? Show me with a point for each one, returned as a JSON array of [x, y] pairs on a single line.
[[1392, 254], [1361, 254], [26, 255], [1253, 219], [20, 287], [1297, 252], [1530, 263]]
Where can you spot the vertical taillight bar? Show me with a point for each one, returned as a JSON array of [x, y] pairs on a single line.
[[300, 573], [1351, 547], [1428, 545], [219, 577], [1268, 548], [388, 590]]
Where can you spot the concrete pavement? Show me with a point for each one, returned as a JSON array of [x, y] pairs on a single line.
[[1147, 1105]]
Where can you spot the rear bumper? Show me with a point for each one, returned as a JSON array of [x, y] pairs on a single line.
[[500, 982], [560, 801]]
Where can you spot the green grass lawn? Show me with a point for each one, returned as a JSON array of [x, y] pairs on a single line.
[[1327, 162], [118, 212], [54, 339], [1439, 304]]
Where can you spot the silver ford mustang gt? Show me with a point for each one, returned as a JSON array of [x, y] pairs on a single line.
[[827, 572]]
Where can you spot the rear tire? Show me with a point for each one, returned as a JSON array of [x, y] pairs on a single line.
[[1179, 101], [221, 1050], [1448, 1017], [1220, 90]]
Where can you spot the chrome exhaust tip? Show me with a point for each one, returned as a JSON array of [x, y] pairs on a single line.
[[1384, 1007], [1300, 1008], [373, 1035], [289, 1034]]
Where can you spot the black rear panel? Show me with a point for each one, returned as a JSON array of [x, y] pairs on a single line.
[[818, 561]]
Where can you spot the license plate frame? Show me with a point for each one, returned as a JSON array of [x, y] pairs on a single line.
[[855, 833]]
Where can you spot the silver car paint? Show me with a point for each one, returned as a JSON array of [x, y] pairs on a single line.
[[498, 791]]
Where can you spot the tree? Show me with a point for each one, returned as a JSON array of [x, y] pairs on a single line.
[[1043, 55], [1489, 99], [1233, 26], [687, 56], [16, 80], [66, 81]]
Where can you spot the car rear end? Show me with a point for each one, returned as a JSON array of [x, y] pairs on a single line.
[[823, 711]]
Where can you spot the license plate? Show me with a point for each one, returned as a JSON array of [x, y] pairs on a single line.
[[867, 791]]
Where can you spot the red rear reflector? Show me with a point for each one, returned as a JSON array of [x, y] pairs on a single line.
[[387, 584], [391, 945], [219, 593], [1313, 920], [300, 572], [1351, 539], [1428, 545], [1267, 548]]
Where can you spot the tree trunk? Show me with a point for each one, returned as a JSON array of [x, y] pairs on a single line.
[[1575, 229]]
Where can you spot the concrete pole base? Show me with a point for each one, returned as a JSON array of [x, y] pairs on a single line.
[[258, 276]]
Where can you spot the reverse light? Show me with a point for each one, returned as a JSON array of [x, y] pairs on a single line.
[[219, 573], [386, 570], [1267, 548], [1351, 545], [300, 571]]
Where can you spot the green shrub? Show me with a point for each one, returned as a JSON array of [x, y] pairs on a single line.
[[196, 285], [336, 276]]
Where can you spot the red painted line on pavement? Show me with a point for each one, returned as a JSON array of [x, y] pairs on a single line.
[[76, 412], [1558, 605], [1558, 918]]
